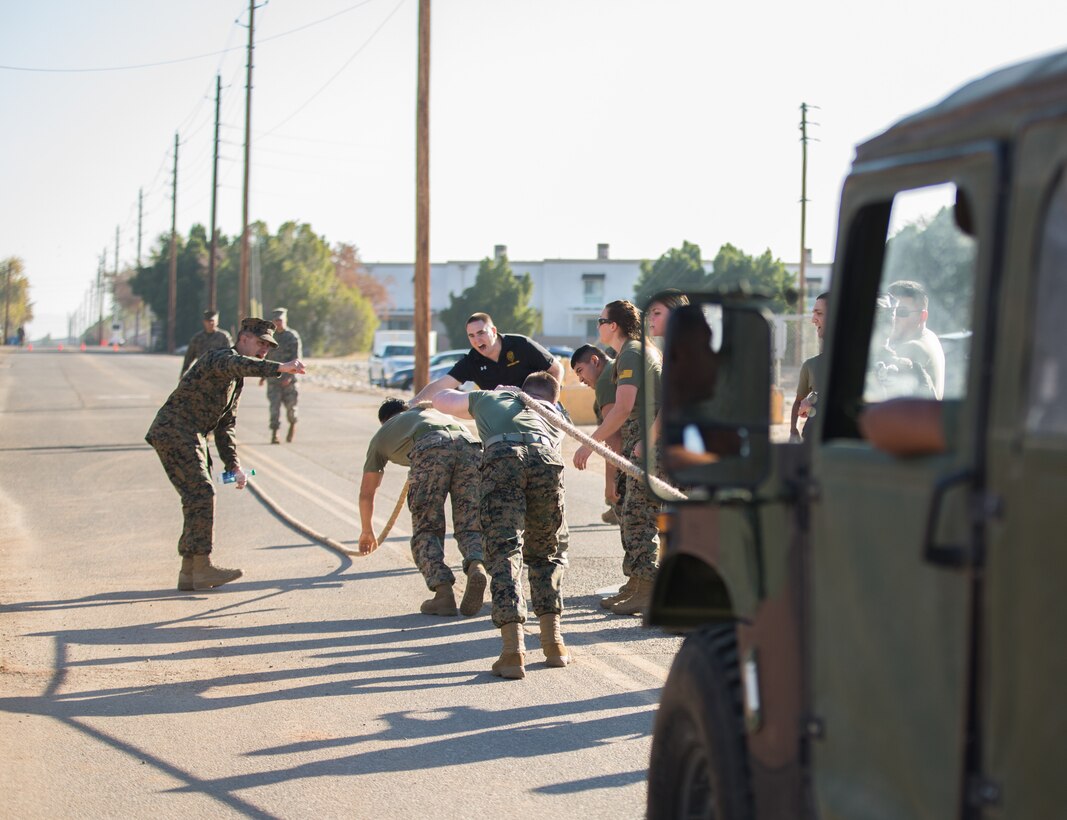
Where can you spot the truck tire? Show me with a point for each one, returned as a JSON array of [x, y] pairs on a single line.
[[699, 764]]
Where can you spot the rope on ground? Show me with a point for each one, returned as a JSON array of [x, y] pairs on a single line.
[[627, 466], [396, 511], [300, 527], [325, 540]]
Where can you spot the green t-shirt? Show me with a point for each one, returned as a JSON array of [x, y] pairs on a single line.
[[604, 390], [811, 377], [501, 411], [395, 438], [628, 370]]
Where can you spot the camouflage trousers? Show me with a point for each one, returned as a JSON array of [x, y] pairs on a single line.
[[277, 395], [184, 458], [521, 512], [441, 467], [638, 515]]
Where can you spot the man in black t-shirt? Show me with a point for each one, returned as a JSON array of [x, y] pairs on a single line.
[[495, 359]]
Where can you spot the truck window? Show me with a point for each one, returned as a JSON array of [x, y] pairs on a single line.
[[921, 334], [1046, 412]]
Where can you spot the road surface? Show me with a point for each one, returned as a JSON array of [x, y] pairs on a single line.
[[311, 687]]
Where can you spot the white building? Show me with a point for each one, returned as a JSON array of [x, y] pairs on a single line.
[[569, 292]]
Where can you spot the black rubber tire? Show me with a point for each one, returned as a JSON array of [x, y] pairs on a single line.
[[699, 763]]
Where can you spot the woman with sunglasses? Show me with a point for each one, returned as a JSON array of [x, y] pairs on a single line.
[[636, 371]]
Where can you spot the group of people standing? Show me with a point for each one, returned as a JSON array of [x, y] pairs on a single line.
[[508, 501], [506, 485]]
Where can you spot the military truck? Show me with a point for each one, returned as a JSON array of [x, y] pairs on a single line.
[[874, 616]]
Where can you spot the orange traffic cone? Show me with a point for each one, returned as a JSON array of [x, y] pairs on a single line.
[[29, 346], [61, 347], [83, 347]]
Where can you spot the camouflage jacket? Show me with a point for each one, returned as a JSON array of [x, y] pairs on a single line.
[[288, 348], [205, 400], [202, 343]]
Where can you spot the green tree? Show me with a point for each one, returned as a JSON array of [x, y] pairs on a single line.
[[679, 268], [15, 301], [938, 255], [151, 282], [498, 292], [299, 272], [734, 270]]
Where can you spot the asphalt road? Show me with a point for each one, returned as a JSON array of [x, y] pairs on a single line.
[[311, 687]]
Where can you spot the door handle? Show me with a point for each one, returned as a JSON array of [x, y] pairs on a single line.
[[945, 555]]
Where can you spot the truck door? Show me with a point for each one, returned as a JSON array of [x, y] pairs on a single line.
[[1025, 609], [890, 624]]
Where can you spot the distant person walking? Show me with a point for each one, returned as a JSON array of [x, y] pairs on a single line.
[[203, 341], [205, 401], [283, 390], [810, 381]]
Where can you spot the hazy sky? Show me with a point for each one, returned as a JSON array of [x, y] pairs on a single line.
[[555, 124]]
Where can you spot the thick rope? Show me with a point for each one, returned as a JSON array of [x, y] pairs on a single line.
[[396, 512], [300, 527], [627, 466], [325, 540]]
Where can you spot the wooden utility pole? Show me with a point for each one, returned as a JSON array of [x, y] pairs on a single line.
[[802, 303], [7, 301], [242, 276], [211, 286], [172, 281], [140, 216], [100, 297], [422, 204]]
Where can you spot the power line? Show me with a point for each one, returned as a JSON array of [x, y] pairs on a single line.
[[174, 61], [337, 73]]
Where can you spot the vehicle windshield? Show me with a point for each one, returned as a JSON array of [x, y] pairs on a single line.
[[398, 350]]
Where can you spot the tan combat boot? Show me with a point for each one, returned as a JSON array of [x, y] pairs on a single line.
[[625, 591], [556, 653], [609, 516], [292, 431], [206, 575], [474, 594], [442, 603], [512, 660], [185, 574], [638, 602], [274, 437]]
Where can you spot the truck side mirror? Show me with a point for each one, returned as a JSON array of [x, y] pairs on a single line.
[[716, 389]]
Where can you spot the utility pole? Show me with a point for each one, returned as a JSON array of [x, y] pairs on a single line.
[[100, 298], [172, 282], [7, 301], [422, 204], [802, 281], [115, 278], [140, 218], [137, 315], [211, 287], [242, 275]]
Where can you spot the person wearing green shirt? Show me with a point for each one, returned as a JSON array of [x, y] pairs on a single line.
[[521, 510], [636, 371], [444, 458]]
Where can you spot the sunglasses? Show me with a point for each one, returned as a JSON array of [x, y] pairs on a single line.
[[602, 321]]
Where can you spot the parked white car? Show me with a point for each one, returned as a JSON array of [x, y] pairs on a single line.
[[392, 357]]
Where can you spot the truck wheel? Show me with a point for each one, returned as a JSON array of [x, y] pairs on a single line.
[[699, 765]]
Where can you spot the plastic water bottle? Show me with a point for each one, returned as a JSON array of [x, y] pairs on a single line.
[[230, 476]]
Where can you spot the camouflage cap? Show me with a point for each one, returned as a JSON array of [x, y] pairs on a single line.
[[262, 328], [211, 314]]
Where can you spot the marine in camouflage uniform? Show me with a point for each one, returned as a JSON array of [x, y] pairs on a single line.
[[443, 458], [521, 504], [521, 511], [283, 390], [205, 402], [206, 340], [640, 509]]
